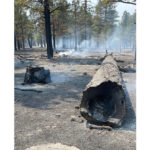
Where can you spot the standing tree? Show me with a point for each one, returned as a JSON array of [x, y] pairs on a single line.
[[104, 21], [76, 6], [48, 29], [41, 9]]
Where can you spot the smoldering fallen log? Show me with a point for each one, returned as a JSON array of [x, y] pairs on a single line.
[[103, 100], [37, 75]]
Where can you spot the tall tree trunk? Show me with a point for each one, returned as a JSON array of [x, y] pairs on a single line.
[[20, 41], [135, 52], [54, 40], [15, 42], [31, 42], [48, 29], [54, 43], [44, 42], [41, 41], [75, 30], [23, 46], [85, 25], [18, 44]]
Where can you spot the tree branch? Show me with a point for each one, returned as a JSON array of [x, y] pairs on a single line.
[[126, 2]]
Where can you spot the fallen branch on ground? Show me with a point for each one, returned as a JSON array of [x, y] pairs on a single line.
[[32, 90]]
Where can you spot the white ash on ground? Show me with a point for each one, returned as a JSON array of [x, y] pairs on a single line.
[[45, 117]]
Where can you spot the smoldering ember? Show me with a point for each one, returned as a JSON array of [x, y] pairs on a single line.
[[75, 75]]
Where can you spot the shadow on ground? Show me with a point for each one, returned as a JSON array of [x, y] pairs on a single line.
[[53, 93], [130, 118]]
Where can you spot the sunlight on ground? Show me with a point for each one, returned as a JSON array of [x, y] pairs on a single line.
[[52, 146]]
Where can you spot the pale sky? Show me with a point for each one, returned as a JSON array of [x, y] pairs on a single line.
[[121, 7]]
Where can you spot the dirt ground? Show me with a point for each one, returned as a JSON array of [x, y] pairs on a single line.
[[45, 113]]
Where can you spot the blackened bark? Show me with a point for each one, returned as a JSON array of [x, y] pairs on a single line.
[[44, 42], [41, 41], [48, 29], [15, 42], [23, 46], [104, 100], [18, 44], [85, 26], [135, 55], [54, 43], [75, 30], [30, 40]]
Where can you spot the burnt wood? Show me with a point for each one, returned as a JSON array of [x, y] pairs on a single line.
[[103, 100]]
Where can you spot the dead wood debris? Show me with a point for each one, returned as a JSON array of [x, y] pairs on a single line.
[[85, 73], [93, 126], [76, 119], [32, 90]]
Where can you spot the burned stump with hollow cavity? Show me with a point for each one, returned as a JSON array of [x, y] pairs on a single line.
[[103, 100], [37, 75]]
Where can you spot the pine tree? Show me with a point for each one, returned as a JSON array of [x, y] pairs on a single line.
[[104, 21]]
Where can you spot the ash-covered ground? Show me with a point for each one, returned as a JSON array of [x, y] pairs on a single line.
[[49, 114]]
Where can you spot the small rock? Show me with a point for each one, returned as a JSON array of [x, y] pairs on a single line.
[[81, 121], [58, 115], [73, 118], [85, 73], [77, 107]]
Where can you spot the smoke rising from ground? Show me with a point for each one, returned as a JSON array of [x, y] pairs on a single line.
[[114, 43]]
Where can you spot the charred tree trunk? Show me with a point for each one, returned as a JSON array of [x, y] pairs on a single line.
[[15, 42], [103, 100], [30, 40], [75, 29], [23, 46], [36, 75], [135, 55], [18, 44], [53, 20], [44, 42], [41, 41], [54, 43], [85, 19], [48, 29]]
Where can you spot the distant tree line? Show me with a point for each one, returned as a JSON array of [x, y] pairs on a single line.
[[45, 22]]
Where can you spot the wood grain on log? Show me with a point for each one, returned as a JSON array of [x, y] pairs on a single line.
[[103, 100]]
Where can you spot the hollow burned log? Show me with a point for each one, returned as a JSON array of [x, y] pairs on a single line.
[[36, 75], [103, 100]]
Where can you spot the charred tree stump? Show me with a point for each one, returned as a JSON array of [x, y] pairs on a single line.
[[103, 100], [37, 75]]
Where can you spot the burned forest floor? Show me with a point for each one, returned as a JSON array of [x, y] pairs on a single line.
[[49, 113]]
